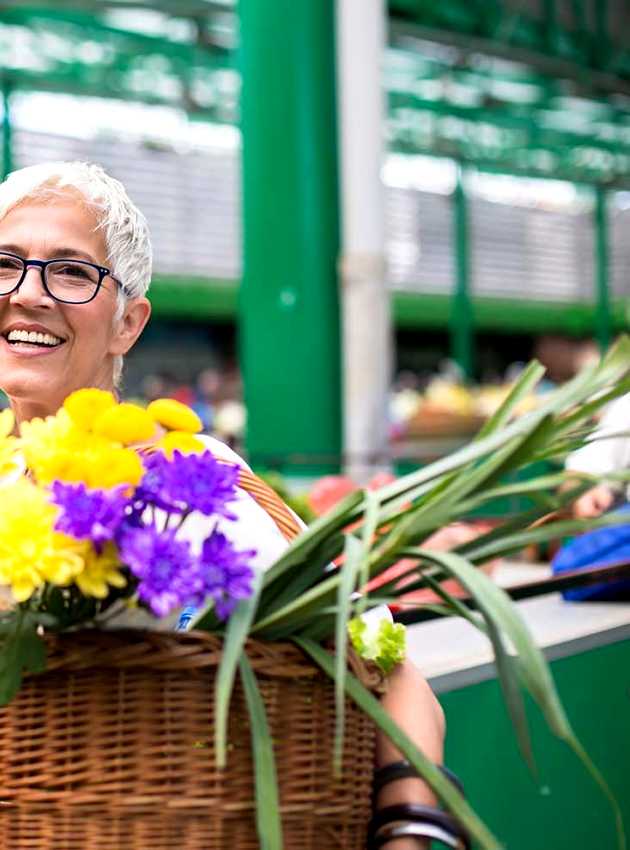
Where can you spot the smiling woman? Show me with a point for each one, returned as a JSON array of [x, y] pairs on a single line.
[[65, 321], [75, 264]]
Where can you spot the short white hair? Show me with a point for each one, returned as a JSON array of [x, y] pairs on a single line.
[[125, 228]]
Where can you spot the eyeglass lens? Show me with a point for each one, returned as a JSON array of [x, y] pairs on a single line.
[[68, 280]]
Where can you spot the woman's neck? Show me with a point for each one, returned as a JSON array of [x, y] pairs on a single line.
[[27, 409]]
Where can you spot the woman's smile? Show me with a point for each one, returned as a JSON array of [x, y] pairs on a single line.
[[30, 340]]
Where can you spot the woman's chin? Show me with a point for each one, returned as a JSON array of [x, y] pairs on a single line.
[[32, 392]]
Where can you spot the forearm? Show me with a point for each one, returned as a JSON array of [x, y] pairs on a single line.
[[412, 704]]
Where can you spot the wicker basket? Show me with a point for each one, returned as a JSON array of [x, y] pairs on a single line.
[[111, 749]]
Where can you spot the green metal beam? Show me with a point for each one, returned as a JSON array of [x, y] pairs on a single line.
[[289, 303], [79, 53], [603, 320], [460, 324], [206, 300], [504, 117], [498, 29], [194, 298], [7, 134]]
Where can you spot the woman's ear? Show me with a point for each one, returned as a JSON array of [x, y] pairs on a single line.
[[130, 326]]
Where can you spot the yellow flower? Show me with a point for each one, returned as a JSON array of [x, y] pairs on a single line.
[[100, 572], [31, 551], [125, 423], [181, 441], [86, 405], [174, 415], [110, 468], [50, 446], [55, 449]]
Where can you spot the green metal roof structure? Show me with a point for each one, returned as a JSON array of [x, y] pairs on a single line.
[[537, 88], [486, 83]]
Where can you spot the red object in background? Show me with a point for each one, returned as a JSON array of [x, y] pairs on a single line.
[[184, 394], [331, 489], [328, 491]]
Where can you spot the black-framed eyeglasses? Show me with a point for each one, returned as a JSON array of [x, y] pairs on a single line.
[[68, 281]]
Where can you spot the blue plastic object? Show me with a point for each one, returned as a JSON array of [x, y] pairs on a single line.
[[596, 549], [593, 549]]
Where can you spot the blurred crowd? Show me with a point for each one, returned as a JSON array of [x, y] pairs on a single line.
[[216, 395], [442, 403]]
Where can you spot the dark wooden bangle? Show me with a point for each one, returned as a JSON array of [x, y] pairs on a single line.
[[414, 813], [404, 770]]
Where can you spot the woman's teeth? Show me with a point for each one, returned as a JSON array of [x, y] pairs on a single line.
[[34, 337]]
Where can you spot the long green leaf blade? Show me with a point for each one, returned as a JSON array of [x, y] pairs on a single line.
[[265, 777], [353, 555], [527, 380], [236, 633]]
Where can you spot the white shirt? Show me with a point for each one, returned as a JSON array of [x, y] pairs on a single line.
[[608, 449]]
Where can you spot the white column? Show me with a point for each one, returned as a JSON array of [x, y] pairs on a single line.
[[365, 303]]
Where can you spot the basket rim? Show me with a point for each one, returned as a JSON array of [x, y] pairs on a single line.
[[194, 650]]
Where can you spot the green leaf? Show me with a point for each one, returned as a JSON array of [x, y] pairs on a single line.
[[21, 650], [354, 551], [268, 820], [526, 382], [427, 770], [479, 551], [236, 634], [310, 539]]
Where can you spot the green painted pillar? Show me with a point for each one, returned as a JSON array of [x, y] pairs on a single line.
[[602, 312], [289, 303], [7, 134], [601, 43], [550, 18], [461, 319]]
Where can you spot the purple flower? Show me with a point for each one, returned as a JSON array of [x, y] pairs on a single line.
[[195, 482], [86, 514], [226, 573], [168, 571]]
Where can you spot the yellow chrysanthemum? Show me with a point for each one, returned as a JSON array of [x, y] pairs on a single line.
[[55, 449], [86, 405], [100, 572], [31, 552], [49, 446], [125, 423], [112, 467], [174, 415], [181, 441]]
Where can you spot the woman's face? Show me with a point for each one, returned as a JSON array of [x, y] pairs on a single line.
[[38, 377]]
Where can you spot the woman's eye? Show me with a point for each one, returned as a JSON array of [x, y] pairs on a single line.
[[71, 271], [9, 265]]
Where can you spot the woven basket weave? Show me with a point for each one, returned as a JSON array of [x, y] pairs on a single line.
[[111, 749]]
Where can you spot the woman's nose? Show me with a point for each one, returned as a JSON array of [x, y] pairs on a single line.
[[31, 291]]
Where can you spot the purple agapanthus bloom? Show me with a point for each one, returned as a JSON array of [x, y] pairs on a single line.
[[195, 482], [169, 572], [226, 573], [94, 515]]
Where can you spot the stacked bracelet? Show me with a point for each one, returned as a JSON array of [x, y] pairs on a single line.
[[419, 831], [405, 770], [421, 821], [414, 821]]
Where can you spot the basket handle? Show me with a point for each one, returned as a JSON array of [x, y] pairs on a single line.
[[267, 498]]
